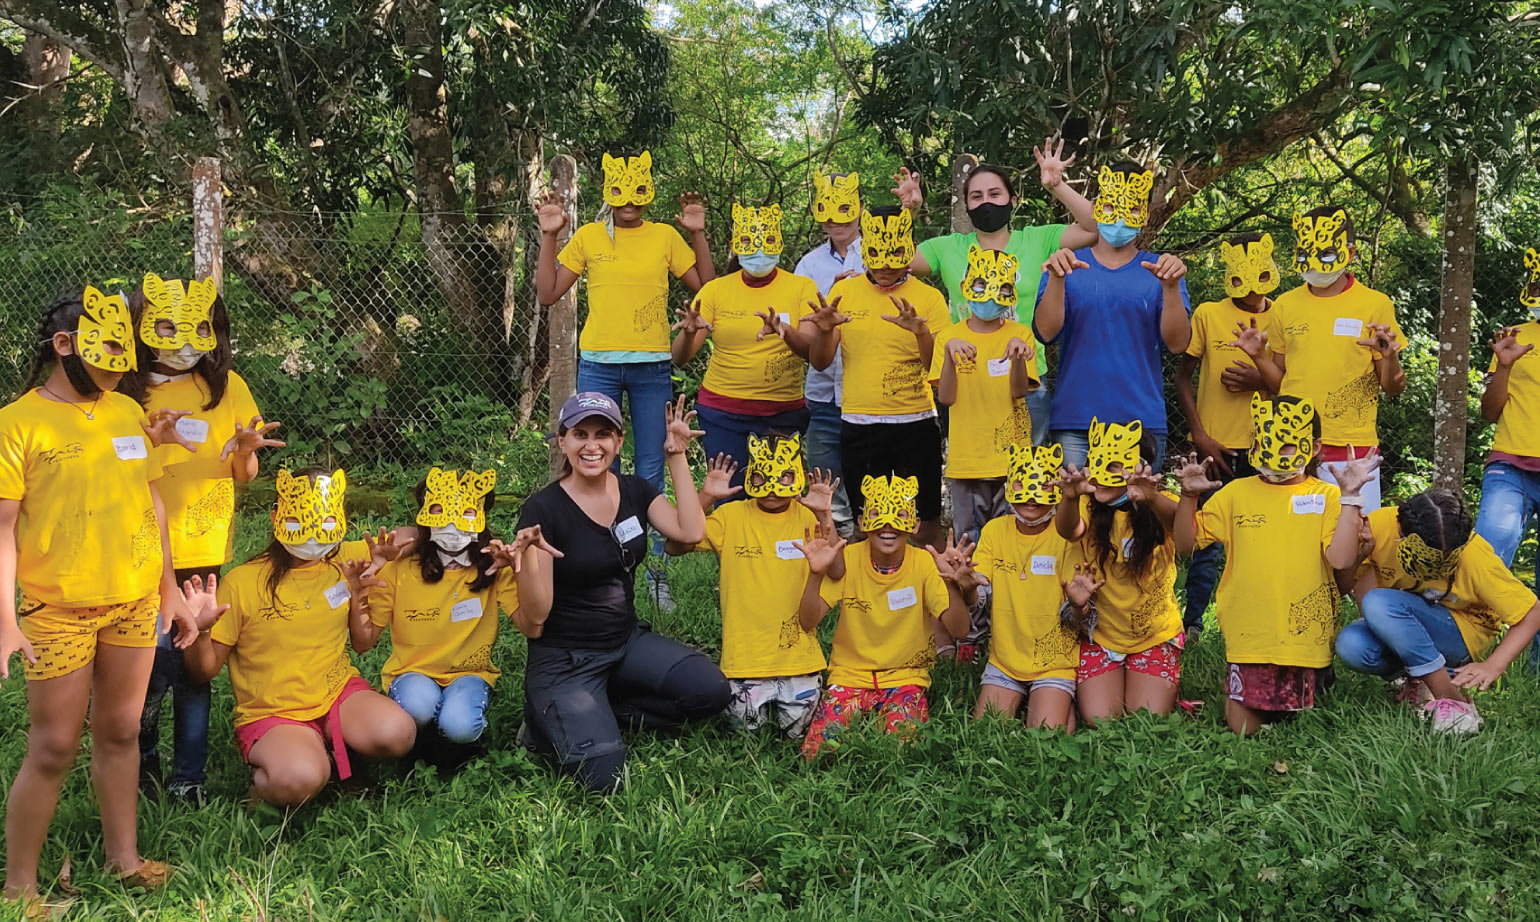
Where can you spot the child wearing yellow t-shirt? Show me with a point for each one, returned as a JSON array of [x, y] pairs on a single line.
[[889, 597], [83, 537], [1118, 524], [281, 621], [1283, 542], [772, 664], [184, 353]]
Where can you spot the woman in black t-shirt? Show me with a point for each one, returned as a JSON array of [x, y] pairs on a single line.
[[591, 665]]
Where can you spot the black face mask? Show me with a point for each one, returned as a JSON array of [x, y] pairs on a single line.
[[989, 217], [80, 378]]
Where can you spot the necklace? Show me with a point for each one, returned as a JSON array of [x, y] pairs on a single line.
[[88, 415]]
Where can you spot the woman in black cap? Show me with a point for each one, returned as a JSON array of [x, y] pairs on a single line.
[[592, 666]]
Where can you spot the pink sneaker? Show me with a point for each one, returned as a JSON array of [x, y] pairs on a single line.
[[1452, 716], [1414, 692]]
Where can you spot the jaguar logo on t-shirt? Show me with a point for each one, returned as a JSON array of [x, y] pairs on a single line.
[[1316, 612], [418, 615], [905, 376], [1357, 398], [748, 551], [965, 366], [1253, 520], [1298, 329], [780, 366], [856, 605], [651, 314], [61, 454]]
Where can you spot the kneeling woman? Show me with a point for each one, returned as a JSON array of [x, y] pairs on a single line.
[[591, 665], [281, 621]]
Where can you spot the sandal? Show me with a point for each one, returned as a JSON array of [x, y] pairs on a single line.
[[151, 875], [36, 909]]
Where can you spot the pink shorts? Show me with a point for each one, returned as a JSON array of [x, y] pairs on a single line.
[[328, 725], [1164, 660], [1268, 687], [900, 709]]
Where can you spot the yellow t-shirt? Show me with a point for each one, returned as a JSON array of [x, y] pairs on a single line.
[[1318, 338], [762, 579], [985, 420], [1226, 416], [627, 283], [1518, 428], [742, 365], [1131, 615], [442, 630], [1277, 597], [86, 534], [884, 371], [289, 655], [1483, 597], [884, 638], [198, 488], [1027, 640]]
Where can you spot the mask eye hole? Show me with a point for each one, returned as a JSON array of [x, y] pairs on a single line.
[[436, 509], [1264, 276], [1007, 291], [1235, 281], [330, 523], [788, 478], [979, 286], [615, 191], [641, 190], [165, 328], [470, 515], [291, 523]]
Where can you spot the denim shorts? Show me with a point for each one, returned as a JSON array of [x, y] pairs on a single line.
[[994, 676]]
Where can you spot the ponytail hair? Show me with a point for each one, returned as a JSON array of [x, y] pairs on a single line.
[[61, 316], [1440, 518]]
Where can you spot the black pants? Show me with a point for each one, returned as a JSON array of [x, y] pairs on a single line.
[[575, 701], [886, 449]]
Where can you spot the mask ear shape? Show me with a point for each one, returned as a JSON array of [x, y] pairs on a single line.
[[1265, 246], [645, 160]]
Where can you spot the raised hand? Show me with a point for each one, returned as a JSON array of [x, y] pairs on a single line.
[[1213, 451], [551, 212], [1083, 586], [1051, 162], [960, 351], [512, 555], [907, 317], [692, 213], [821, 485], [202, 601], [1019, 348], [1506, 348], [679, 432], [360, 575], [248, 439], [690, 321], [826, 314], [821, 549], [907, 189], [1063, 262], [1193, 474], [1382, 338], [1143, 484], [1242, 378], [719, 475], [1352, 474], [160, 426], [1168, 268], [773, 325], [1074, 481], [1250, 339]]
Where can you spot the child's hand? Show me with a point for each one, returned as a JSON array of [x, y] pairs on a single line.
[[773, 325], [1063, 262], [1352, 474], [13, 641], [1083, 586], [160, 426], [907, 190], [1249, 339], [248, 439], [1365, 540], [1242, 378], [360, 576], [822, 549], [719, 476], [1051, 163], [1381, 338], [1193, 475], [1018, 348], [202, 601], [1476, 676], [960, 351], [907, 317], [1212, 450], [690, 321], [512, 555], [821, 485], [1143, 484], [953, 558], [176, 613], [1074, 481], [826, 314], [1168, 268], [679, 433], [1506, 348], [692, 213], [551, 212]]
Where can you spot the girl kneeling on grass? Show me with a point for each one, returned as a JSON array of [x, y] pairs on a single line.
[[889, 598], [1433, 597], [281, 621], [1284, 534], [772, 664], [83, 535], [1131, 635]]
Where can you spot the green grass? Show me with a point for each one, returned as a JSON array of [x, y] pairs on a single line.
[[1353, 811]]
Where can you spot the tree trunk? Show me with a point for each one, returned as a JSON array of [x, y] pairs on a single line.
[[1450, 408]]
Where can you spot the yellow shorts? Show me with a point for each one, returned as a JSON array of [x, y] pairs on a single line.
[[65, 639]]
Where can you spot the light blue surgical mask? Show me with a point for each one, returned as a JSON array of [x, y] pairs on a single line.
[[1119, 234], [1120, 501], [759, 264], [988, 310]]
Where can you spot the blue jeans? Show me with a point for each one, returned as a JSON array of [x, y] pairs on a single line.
[[190, 704], [1077, 444], [1039, 404], [459, 708], [1401, 631], [728, 433], [1510, 500], [1203, 568], [650, 388], [821, 448]]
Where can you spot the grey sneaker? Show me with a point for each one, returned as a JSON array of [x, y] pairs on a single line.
[[658, 589]]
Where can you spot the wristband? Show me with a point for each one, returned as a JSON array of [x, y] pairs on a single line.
[[1354, 500]]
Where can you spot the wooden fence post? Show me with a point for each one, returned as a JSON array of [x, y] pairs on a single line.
[[562, 321], [208, 222], [1450, 406], [962, 168]]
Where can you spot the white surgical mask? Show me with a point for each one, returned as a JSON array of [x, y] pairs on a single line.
[[1272, 475], [181, 359], [1033, 523], [450, 538], [1322, 279], [1536, 312], [311, 550]]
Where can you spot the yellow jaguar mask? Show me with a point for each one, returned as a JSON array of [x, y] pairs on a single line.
[[1031, 471], [889, 504], [770, 460], [104, 321], [1123, 196], [757, 230], [1321, 244], [991, 277], [187, 309], [315, 507], [628, 181], [838, 198], [1426, 563], [1277, 422], [461, 498], [1249, 267], [1113, 444], [887, 242], [1529, 293]]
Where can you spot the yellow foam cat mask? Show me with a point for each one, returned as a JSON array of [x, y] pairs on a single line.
[[838, 198], [757, 230], [889, 504], [1529, 292], [1112, 444], [991, 277], [188, 309], [1249, 267], [1321, 244], [1123, 196], [628, 181], [461, 498], [770, 461], [315, 508], [1426, 563], [1032, 474], [105, 320], [1277, 422], [887, 242]]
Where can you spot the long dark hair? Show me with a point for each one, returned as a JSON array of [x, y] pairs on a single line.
[[1440, 518], [214, 367], [432, 568], [62, 316], [1149, 532], [279, 560]]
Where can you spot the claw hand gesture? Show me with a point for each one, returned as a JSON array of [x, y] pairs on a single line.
[[679, 432], [248, 439]]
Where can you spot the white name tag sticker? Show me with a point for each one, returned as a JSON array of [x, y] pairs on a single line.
[[627, 530], [193, 430], [468, 610], [1348, 326], [129, 447], [1128, 546], [785, 318], [1310, 504], [1043, 564], [336, 595], [999, 368], [901, 598], [788, 550]]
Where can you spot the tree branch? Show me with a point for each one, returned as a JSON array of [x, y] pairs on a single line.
[[79, 35]]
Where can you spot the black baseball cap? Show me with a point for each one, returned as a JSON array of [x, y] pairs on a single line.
[[589, 403]]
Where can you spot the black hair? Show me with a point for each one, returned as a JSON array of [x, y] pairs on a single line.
[[279, 560], [1128, 166], [1326, 211], [991, 169], [1149, 532], [432, 567], [214, 367], [62, 316], [884, 211], [1440, 519], [1246, 239]]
